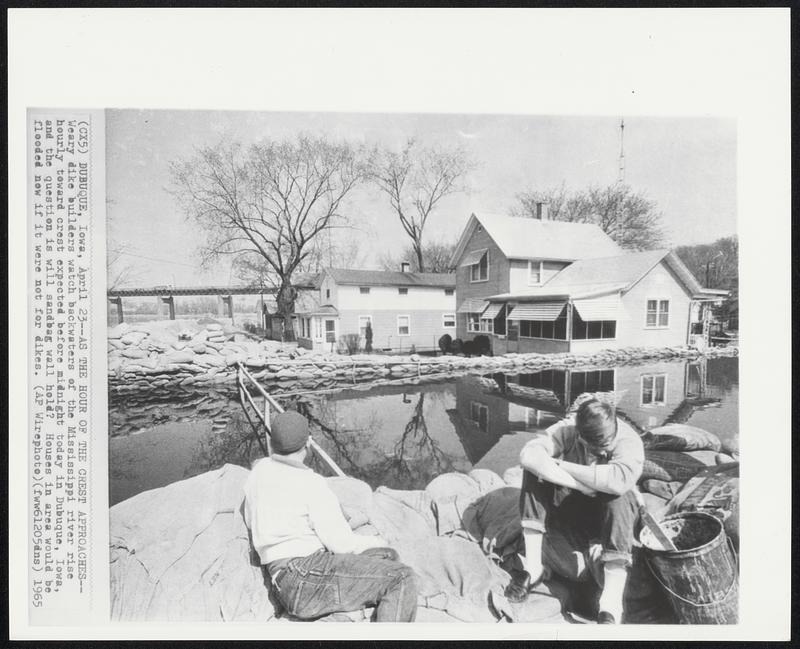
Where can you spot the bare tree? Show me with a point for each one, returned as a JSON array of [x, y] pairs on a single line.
[[269, 202], [628, 217], [119, 271], [415, 180], [436, 258]]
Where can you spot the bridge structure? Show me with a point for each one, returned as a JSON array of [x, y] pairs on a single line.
[[168, 293]]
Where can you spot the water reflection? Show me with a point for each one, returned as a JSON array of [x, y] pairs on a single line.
[[391, 437], [403, 437]]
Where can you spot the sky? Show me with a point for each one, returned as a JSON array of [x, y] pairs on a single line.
[[687, 165]]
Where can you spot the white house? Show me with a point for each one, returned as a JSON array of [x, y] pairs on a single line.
[[533, 285], [405, 310]]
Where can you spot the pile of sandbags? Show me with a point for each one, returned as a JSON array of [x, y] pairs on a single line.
[[685, 469], [183, 553]]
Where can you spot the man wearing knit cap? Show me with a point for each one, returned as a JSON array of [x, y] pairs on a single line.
[[316, 563], [578, 504]]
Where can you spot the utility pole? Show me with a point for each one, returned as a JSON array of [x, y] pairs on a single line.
[[621, 177]]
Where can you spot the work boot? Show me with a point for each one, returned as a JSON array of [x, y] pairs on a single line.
[[604, 617], [518, 588]]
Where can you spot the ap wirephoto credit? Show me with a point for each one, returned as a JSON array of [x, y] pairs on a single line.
[[422, 368]]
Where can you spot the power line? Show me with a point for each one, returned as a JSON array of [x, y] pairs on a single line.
[[166, 261]]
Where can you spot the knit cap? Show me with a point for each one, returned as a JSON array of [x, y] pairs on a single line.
[[289, 432]]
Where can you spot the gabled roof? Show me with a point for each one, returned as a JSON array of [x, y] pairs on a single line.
[[348, 276], [593, 277], [526, 238]]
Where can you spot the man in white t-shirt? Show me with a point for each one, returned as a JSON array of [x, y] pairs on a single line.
[[578, 504], [316, 563]]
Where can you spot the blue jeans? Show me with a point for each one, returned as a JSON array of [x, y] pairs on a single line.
[[572, 521], [324, 582]]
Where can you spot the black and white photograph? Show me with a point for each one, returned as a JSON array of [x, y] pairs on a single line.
[[341, 324], [508, 345]]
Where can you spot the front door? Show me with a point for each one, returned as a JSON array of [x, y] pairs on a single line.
[[330, 331]]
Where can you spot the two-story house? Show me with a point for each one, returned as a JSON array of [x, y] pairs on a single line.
[[404, 310], [534, 285]]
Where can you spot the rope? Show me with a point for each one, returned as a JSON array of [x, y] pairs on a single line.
[[690, 602]]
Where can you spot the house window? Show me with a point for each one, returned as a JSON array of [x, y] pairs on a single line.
[[592, 329], [449, 320], [551, 330], [479, 413], [480, 272], [319, 329], [449, 291], [535, 272], [487, 325], [402, 291], [657, 314], [330, 331], [592, 381], [473, 322], [362, 324], [404, 325], [364, 290], [654, 389], [327, 293]]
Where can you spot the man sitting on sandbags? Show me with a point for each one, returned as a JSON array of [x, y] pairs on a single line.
[[316, 563], [578, 504]]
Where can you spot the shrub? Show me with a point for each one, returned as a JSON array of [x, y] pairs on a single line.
[[457, 346], [482, 345], [445, 342], [469, 348]]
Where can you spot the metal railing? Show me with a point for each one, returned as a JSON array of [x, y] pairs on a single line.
[[245, 398]]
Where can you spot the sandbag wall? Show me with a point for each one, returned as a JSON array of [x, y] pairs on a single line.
[[150, 356]]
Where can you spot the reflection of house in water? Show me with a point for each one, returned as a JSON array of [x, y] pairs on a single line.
[[487, 408]]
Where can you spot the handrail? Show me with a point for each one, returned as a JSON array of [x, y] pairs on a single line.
[[242, 371]]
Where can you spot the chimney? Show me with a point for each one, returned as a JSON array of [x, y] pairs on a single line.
[[404, 266], [542, 211]]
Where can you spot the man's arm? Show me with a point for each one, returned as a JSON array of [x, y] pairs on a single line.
[[618, 476], [329, 523], [537, 458]]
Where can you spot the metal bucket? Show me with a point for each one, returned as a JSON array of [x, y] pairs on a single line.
[[700, 578]]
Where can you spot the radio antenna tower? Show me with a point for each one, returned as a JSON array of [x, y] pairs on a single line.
[[621, 175]]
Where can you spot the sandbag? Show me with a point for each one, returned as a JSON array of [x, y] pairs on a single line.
[[487, 480], [513, 476], [662, 488], [417, 499], [450, 485], [731, 446], [680, 437], [678, 466]]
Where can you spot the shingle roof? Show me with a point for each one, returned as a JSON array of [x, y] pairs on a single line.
[[391, 278], [587, 277], [619, 269], [526, 238]]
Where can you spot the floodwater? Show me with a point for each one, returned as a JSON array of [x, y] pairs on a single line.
[[403, 437]]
